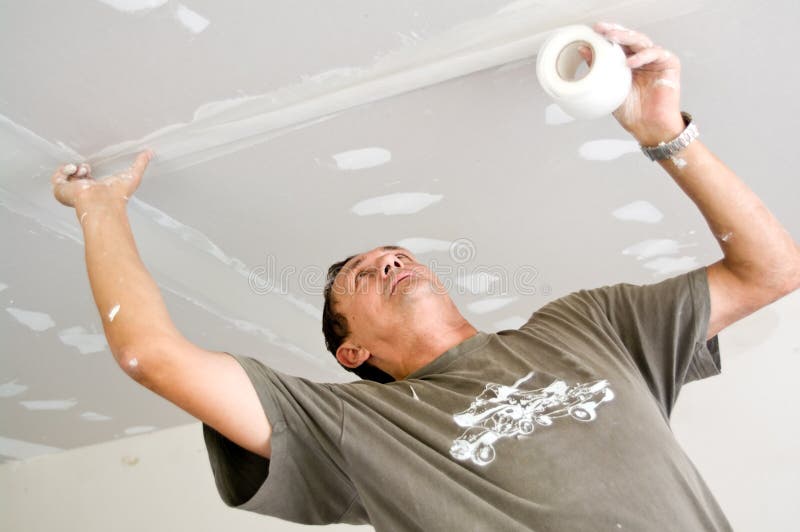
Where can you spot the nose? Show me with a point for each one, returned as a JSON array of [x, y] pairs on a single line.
[[389, 263]]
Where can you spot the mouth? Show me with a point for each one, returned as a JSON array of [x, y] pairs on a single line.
[[400, 277]]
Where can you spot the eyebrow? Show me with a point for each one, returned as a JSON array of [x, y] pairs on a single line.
[[359, 260]]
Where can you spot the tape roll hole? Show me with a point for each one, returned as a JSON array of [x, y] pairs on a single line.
[[570, 64]]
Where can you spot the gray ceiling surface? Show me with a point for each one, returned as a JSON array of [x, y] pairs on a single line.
[[284, 143]]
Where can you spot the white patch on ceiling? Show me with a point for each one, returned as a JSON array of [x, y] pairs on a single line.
[[3, 286], [23, 450], [424, 245], [400, 203], [54, 404], [607, 149], [85, 341], [94, 416], [478, 283], [638, 211], [37, 321], [191, 20], [363, 158], [489, 305], [513, 322], [668, 265], [654, 247], [139, 429], [554, 115], [11, 388], [132, 6]]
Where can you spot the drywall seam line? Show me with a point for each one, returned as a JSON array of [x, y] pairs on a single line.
[[222, 127]]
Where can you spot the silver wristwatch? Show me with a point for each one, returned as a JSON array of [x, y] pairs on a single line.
[[665, 150]]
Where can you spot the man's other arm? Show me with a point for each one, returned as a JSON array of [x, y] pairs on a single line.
[[209, 385], [761, 260]]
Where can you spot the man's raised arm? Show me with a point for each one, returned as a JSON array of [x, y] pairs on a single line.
[[209, 385], [761, 260]]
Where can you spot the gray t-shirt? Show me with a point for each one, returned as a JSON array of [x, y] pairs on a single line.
[[560, 425]]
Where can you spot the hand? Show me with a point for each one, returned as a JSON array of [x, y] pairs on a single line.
[[651, 112], [73, 184]]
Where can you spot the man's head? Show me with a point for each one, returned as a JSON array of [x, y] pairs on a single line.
[[376, 301]]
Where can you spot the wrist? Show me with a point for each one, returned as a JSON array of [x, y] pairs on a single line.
[[663, 132], [95, 198]]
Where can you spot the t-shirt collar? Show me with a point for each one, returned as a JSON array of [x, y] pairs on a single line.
[[448, 357]]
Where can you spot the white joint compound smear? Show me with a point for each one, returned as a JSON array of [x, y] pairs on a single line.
[[363, 158], [555, 115], [94, 416], [470, 47], [36, 321], [85, 341], [679, 163], [400, 203], [191, 20], [607, 149], [11, 388], [133, 6], [665, 83], [654, 247], [485, 306], [419, 245], [113, 313], [638, 211], [139, 429], [414, 392], [669, 265], [3, 286], [24, 450], [54, 404], [510, 323]]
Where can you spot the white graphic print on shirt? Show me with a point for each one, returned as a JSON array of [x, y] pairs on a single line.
[[506, 411]]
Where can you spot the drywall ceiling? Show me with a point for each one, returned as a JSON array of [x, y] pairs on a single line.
[[289, 135]]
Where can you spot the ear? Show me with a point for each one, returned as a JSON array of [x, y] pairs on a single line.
[[351, 355]]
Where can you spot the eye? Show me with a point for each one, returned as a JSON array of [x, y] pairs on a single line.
[[365, 271]]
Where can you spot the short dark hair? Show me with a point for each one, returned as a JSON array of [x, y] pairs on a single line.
[[335, 329]]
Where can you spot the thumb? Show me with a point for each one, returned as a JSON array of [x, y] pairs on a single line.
[[141, 162]]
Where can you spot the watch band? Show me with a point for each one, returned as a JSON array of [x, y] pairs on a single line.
[[665, 150]]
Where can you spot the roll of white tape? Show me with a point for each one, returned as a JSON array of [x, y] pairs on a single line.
[[601, 91]]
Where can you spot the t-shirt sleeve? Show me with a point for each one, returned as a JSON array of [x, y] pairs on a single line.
[[305, 480], [663, 327]]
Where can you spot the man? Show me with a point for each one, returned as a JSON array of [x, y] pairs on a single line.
[[562, 424]]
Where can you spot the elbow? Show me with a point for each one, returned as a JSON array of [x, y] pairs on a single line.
[[131, 361]]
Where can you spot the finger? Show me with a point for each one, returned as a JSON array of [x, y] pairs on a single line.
[[84, 170], [62, 173], [634, 40], [652, 55], [141, 162]]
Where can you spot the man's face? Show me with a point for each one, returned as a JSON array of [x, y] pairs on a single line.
[[383, 292]]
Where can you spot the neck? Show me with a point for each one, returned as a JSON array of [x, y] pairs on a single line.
[[424, 342]]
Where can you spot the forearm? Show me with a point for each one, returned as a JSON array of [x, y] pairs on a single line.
[[756, 247], [133, 312]]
